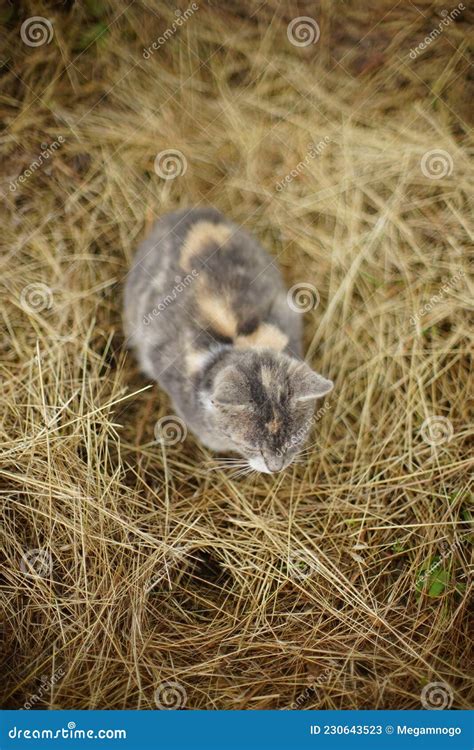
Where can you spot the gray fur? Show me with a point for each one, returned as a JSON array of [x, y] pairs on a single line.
[[213, 327]]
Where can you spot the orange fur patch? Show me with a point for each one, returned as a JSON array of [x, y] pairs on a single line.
[[199, 237], [266, 336], [195, 360], [217, 312], [273, 426]]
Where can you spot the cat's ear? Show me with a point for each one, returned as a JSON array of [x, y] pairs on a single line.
[[230, 390], [309, 385]]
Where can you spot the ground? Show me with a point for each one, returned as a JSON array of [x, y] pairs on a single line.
[[135, 573]]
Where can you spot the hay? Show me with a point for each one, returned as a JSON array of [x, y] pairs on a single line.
[[343, 583]]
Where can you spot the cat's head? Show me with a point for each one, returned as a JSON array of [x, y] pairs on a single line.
[[262, 402]]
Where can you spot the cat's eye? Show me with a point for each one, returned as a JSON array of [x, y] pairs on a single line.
[[284, 393], [241, 446], [247, 448]]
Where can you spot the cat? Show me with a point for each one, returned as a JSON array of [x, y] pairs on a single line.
[[206, 312]]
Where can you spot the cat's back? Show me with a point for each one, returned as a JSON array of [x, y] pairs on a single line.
[[198, 245], [203, 240], [153, 274], [199, 277]]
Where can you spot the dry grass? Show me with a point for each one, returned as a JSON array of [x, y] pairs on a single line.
[[163, 569]]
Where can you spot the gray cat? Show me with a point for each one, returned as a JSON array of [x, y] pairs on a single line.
[[206, 311]]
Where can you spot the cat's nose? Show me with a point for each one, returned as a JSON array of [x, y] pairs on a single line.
[[275, 463]]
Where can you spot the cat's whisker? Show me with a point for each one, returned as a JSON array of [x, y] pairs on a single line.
[[226, 466], [245, 471], [229, 459], [304, 453], [240, 460], [229, 467], [240, 470], [233, 463], [308, 448], [229, 463]]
